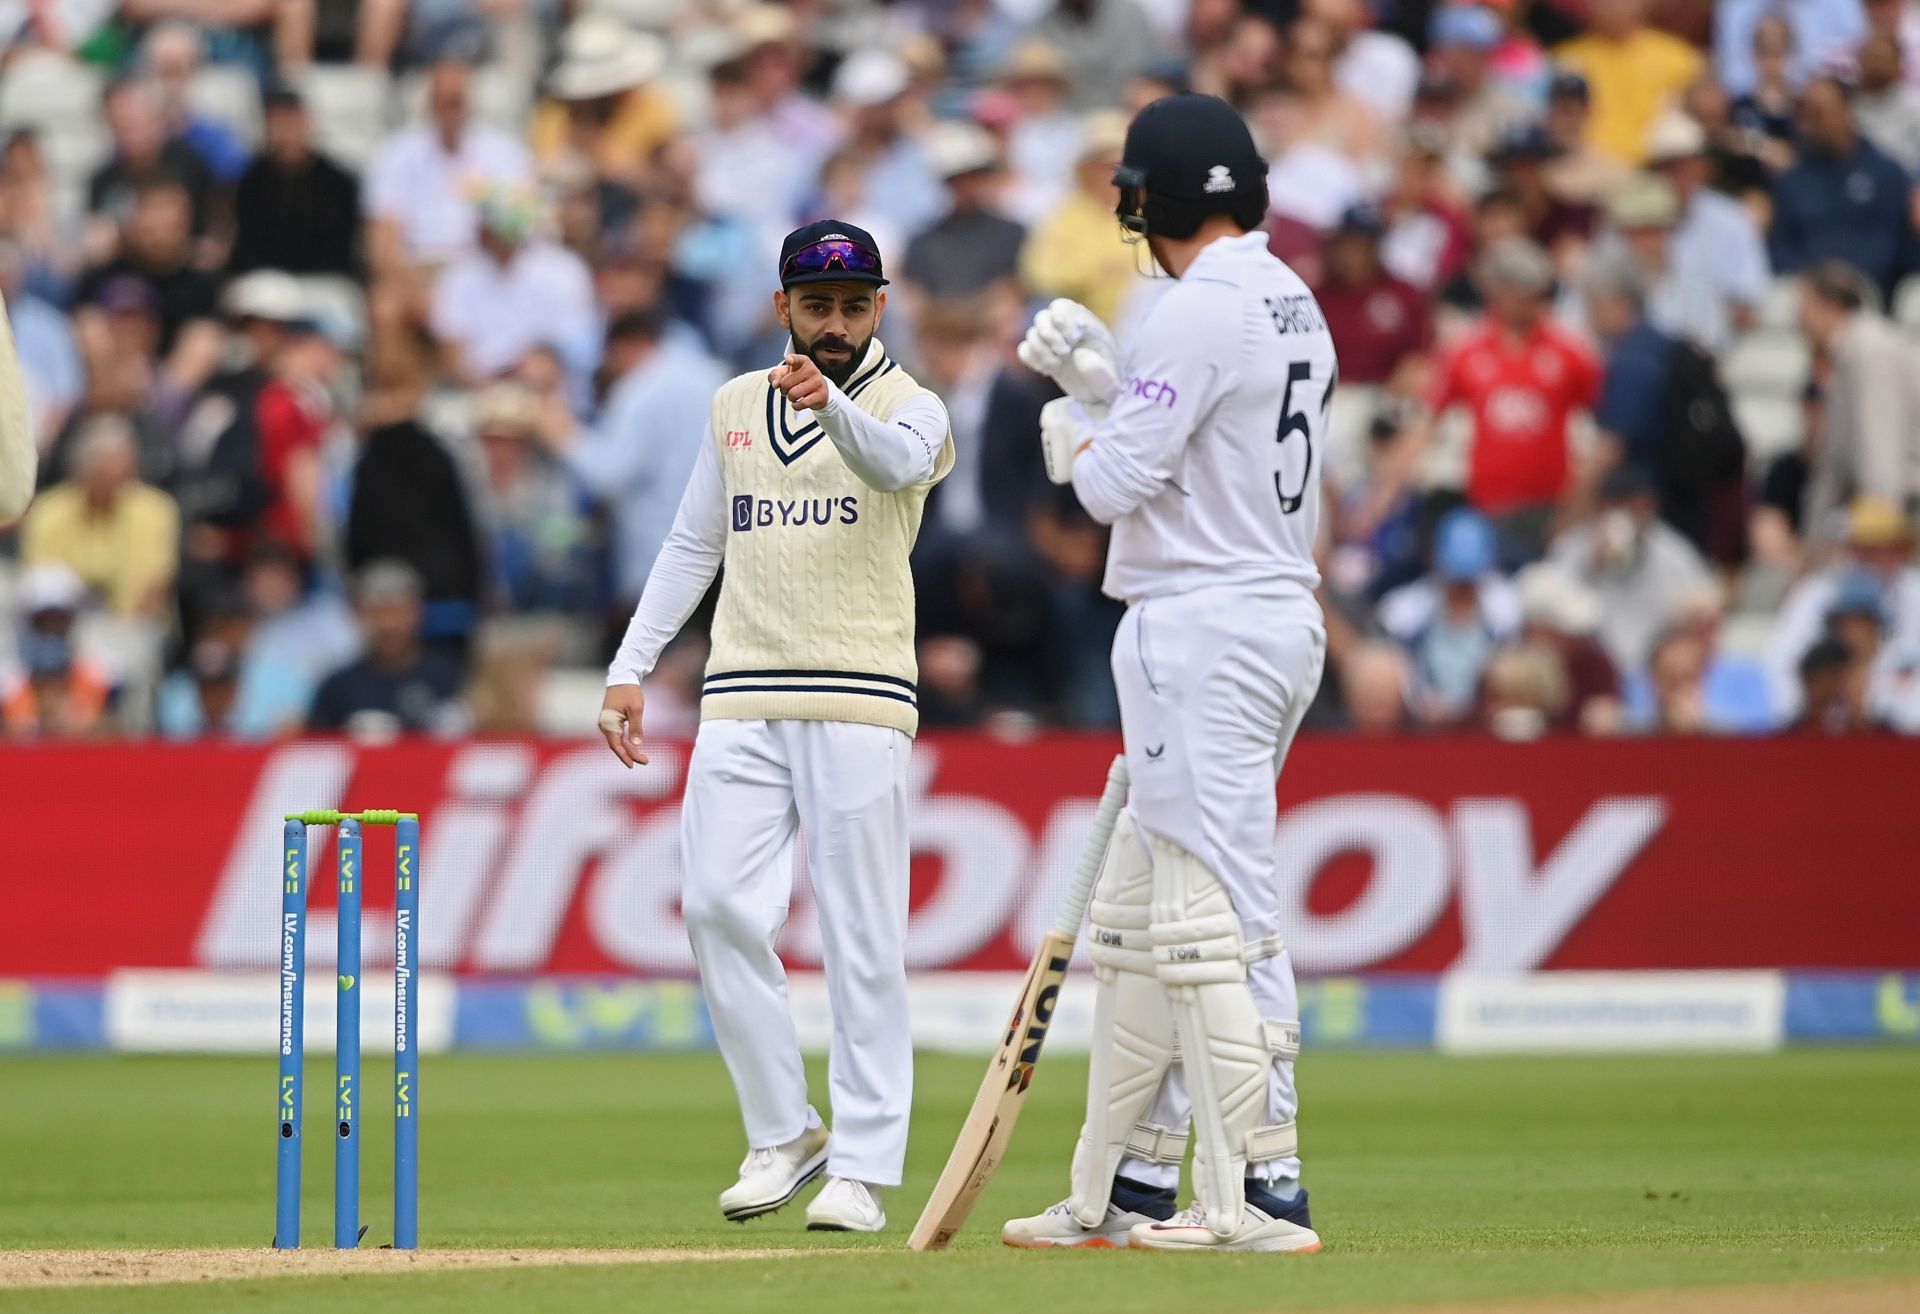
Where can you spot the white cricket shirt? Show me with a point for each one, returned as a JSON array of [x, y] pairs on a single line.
[[1209, 465]]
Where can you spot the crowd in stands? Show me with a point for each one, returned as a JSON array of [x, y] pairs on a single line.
[[369, 343]]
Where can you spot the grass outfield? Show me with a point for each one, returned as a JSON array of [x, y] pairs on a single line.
[[1434, 1179]]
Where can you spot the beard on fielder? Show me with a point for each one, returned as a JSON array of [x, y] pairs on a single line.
[[810, 490]]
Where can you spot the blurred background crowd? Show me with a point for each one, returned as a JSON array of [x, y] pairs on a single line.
[[369, 343]]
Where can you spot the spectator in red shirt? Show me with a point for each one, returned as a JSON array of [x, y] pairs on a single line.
[[1381, 325], [1522, 376], [292, 414]]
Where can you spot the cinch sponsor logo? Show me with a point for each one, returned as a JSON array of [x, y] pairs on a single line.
[[766, 512], [1153, 390]]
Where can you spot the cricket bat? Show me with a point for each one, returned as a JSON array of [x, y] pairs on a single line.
[[1003, 1093]]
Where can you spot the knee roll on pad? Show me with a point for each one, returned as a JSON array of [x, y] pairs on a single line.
[[1227, 1053], [1120, 915], [1132, 1029]]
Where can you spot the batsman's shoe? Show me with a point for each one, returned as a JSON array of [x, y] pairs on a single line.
[[770, 1178], [1130, 1205], [1268, 1224], [845, 1205]]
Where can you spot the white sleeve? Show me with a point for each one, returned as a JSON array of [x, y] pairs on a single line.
[[18, 456], [890, 454], [687, 563], [1179, 369]]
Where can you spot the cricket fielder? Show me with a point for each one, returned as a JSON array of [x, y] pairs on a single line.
[[19, 459], [810, 490], [1199, 447]]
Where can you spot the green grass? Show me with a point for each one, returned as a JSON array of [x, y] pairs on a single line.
[[1433, 1179]]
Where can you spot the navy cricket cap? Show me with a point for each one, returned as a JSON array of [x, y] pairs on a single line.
[[1192, 148], [830, 251]]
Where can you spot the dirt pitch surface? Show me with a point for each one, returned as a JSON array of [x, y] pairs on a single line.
[[78, 1268]]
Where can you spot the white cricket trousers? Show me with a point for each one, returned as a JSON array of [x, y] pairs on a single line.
[[1213, 685], [750, 785]]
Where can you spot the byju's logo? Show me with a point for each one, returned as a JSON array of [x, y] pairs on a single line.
[[767, 512]]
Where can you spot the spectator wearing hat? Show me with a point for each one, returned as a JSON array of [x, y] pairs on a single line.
[[53, 688], [1560, 614], [1714, 238], [603, 102], [399, 685], [1382, 327], [420, 185], [1822, 34], [120, 537], [1479, 110], [295, 209], [1103, 44], [1879, 550], [1844, 200], [1682, 302], [1561, 228], [1638, 565], [540, 542], [516, 291], [1375, 67], [1886, 104], [640, 451], [972, 249], [1523, 377], [773, 61], [1452, 620], [874, 88], [1578, 174], [1077, 251], [1044, 137], [1872, 438], [1636, 73]]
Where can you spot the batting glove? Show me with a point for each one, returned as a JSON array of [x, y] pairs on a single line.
[[1064, 428], [1068, 343]]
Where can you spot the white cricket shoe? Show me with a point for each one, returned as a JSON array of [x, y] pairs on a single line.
[[845, 1205], [1058, 1227], [770, 1178], [1259, 1230]]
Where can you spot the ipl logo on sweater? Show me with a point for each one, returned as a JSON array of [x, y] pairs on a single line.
[[767, 512]]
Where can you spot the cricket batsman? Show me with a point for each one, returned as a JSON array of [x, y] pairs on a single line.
[[810, 490], [1198, 444]]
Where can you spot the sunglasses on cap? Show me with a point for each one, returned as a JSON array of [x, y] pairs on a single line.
[[835, 254]]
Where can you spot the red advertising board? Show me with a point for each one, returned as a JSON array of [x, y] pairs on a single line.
[[1415, 855]]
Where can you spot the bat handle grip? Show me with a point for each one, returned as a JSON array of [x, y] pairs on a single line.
[[1073, 908]]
